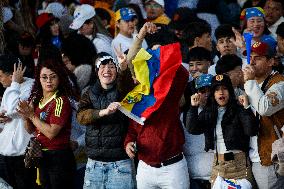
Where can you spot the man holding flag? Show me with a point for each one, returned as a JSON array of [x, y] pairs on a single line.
[[158, 138]]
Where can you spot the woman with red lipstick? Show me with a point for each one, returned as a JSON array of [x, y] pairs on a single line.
[[227, 127], [49, 117]]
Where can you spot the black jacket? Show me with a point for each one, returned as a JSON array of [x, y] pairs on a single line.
[[104, 135], [238, 124]]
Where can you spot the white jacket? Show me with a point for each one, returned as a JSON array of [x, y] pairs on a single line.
[[14, 138]]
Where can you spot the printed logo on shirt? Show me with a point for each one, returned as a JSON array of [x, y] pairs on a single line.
[[42, 115], [58, 107]]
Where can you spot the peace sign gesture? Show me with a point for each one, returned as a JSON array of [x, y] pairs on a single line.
[[18, 72], [121, 57]]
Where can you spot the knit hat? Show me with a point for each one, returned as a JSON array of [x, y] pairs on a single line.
[[104, 58], [203, 80], [43, 19], [252, 12], [125, 14], [81, 14], [160, 2], [57, 9]]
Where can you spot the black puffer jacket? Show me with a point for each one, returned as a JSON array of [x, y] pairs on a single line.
[[104, 135], [238, 124]]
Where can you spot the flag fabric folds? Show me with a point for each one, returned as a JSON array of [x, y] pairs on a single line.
[[155, 71]]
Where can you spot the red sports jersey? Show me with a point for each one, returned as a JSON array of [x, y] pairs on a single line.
[[56, 111]]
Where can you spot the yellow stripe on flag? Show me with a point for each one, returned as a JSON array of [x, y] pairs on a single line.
[[142, 75]]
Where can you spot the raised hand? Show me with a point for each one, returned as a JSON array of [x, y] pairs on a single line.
[[243, 99], [121, 57], [18, 73], [195, 99], [249, 73], [148, 27]]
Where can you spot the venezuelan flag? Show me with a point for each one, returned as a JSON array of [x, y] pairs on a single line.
[[155, 71]]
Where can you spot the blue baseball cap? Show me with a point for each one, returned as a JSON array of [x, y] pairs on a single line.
[[125, 14], [203, 80]]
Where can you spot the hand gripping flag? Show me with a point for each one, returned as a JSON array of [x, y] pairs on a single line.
[[155, 71]]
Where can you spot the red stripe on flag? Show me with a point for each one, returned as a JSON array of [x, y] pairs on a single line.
[[170, 60]]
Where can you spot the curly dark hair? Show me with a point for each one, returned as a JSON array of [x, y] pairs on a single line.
[[44, 35], [64, 87]]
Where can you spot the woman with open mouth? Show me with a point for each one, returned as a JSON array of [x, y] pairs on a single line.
[[227, 127]]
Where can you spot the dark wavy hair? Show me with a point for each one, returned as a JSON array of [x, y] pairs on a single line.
[[212, 105], [44, 35], [64, 87]]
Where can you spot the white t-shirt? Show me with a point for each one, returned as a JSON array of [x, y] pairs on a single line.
[[125, 43]]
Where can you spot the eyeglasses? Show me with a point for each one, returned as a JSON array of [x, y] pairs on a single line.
[[50, 78]]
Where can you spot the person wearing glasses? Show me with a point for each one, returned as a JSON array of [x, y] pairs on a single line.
[[47, 115]]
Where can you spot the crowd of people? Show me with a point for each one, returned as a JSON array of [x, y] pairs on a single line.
[[65, 66]]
